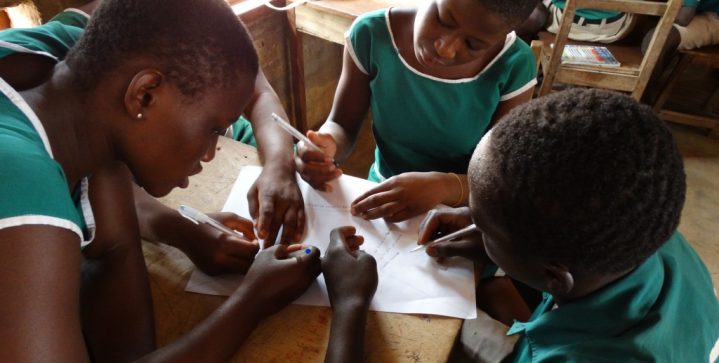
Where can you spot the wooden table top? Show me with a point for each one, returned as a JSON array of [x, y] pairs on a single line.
[[295, 334]]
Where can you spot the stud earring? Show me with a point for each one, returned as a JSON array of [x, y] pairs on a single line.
[[139, 115]]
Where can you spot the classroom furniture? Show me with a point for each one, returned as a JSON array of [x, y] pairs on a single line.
[[329, 20], [635, 70], [706, 56], [295, 334]]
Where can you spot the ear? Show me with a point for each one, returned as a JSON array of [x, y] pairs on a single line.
[[141, 92], [560, 280]]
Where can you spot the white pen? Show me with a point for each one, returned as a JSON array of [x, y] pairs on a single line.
[[296, 134], [199, 217], [456, 234]]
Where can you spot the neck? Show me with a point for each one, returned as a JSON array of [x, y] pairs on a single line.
[[73, 126]]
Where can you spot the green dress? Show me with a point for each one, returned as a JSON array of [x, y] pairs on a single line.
[[664, 311], [424, 123]]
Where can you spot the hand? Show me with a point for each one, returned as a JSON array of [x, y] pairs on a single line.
[[401, 197], [214, 252], [275, 200], [280, 275], [439, 222], [350, 274], [317, 168]]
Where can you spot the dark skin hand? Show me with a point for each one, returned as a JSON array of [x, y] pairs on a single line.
[[211, 251], [439, 222], [274, 199], [351, 277]]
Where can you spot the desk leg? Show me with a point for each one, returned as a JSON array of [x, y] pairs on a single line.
[[297, 74]]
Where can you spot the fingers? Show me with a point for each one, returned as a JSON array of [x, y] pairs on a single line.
[[368, 199], [467, 248], [239, 248], [317, 173], [233, 221], [253, 203], [428, 228]]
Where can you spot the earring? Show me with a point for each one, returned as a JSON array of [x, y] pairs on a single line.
[[139, 115]]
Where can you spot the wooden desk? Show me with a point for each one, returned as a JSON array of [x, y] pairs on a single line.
[[329, 20], [295, 334]]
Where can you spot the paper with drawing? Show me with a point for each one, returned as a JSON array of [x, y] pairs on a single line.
[[408, 282]]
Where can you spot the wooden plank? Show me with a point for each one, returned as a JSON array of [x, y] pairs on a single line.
[[688, 119], [322, 25], [297, 74], [590, 79]]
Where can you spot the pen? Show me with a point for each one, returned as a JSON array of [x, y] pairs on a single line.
[[456, 234], [296, 134], [198, 217]]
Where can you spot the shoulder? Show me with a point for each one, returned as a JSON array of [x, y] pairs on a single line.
[[53, 39], [34, 188], [369, 23], [517, 51]]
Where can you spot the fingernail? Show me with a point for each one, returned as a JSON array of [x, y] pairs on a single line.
[[308, 251]]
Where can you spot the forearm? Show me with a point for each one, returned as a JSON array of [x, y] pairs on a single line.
[[159, 223], [343, 139], [455, 187], [274, 145], [218, 337], [347, 334]]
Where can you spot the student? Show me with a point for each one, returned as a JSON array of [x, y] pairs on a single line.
[[588, 25], [275, 198], [435, 78], [579, 195], [141, 69]]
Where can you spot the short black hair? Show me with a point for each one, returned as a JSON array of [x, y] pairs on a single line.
[[513, 12], [198, 43], [590, 178]]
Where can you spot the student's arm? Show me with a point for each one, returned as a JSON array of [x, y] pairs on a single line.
[[339, 133], [405, 195], [274, 199], [40, 284], [685, 15], [351, 277], [40, 302], [211, 251], [273, 281]]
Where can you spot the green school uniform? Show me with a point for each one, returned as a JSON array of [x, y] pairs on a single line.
[[52, 39], [664, 311], [424, 123], [702, 5], [588, 13], [34, 188]]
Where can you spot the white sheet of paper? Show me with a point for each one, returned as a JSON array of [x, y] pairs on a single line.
[[408, 282]]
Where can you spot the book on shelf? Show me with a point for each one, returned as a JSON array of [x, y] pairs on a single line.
[[589, 55]]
